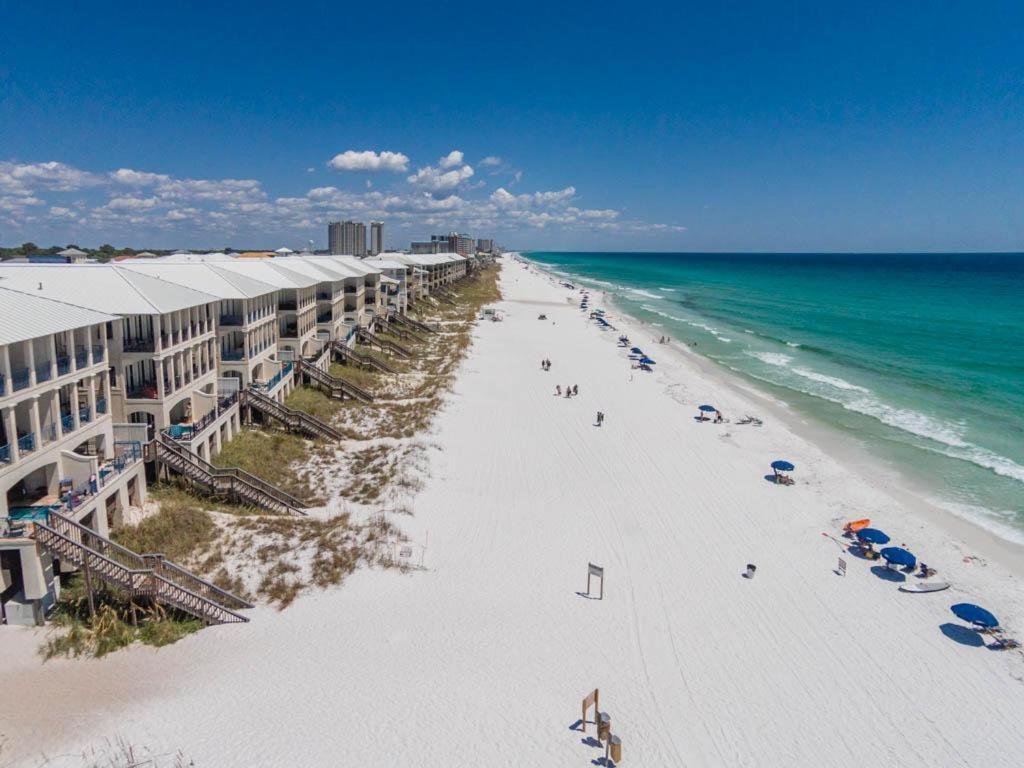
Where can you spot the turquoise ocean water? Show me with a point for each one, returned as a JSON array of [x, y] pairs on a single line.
[[919, 358]]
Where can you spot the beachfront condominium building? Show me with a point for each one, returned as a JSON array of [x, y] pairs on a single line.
[[376, 237], [485, 245], [346, 238], [163, 348], [246, 318], [395, 282], [59, 449]]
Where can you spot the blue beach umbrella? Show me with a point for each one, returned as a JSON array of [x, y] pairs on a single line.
[[708, 408], [975, 615], [872, 536], [647, 361], [899, 556], [780, 465], [636, 351]]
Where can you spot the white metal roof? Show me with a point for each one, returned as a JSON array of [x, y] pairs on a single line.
[[193, 257], [387, 264], [25, 316], [103, 287], [208, 276], [321, 271], [71, 252], [389, 280], [266, 271]]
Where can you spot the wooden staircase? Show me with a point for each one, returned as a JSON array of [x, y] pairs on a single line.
[[346, 354], [373, 339], [399, 330], [150, 575], [334, 387], [229, 482], [409, 322], [292, 419]]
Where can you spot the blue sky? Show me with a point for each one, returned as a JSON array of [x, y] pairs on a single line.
[[683, 126]]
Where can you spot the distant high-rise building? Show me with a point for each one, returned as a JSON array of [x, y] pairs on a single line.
[[334, 237], [376, 237], [346, 238], [428, 246], [485, 246], [453, 242]]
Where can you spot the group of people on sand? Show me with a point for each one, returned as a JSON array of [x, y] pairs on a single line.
[[665, 340], [600, 418], [569, 391], [545, 365]]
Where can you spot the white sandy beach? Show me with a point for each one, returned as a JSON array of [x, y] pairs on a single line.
[[481, 659]]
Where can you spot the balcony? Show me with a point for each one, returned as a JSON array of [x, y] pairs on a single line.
[[49, 433], [324, 317], [67, 423], [290, 331], [63, 365], [144, 391], [231, 320], [324, 296], [287, 304], [101, 405], [20, 378], [140, 345], [81, 358], [26, 443], [3, 384], [232, 354], [84, 415], [97, 353], [43, 371]]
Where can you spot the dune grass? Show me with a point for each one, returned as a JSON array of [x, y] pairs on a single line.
[[271, 456]]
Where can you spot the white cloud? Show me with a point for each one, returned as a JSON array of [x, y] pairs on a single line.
[[138, 178], [505, 199], [25, 178], [490, 160], [132, 203], [451, 160], [368, 160], [434, 179]]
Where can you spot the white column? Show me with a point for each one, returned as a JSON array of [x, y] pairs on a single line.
[[5, 361], [74, 405], [31, 355], [11, 427], [158, 345], [37, 428], [53, 356], [92, 396]]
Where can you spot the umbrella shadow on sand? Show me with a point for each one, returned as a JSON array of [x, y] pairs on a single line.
[[958, 633], [888, 574]]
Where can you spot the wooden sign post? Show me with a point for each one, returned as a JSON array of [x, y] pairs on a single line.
[[598, 571], [590, 700], [841, 568]]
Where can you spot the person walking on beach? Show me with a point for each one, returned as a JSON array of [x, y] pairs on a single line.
[[558, 390], [575, 389], [600, 418], [568, 391]]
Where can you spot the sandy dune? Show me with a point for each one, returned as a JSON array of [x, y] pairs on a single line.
[[482, 658]]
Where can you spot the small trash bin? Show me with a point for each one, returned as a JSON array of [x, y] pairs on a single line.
[[604, 726], [616, 749], [751, 568]]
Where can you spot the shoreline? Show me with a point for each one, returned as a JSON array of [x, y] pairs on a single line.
[[973, 534]]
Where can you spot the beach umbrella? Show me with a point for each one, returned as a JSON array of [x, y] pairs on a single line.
[[708, 408], [872, 536], [636, 351], [975, 615], [780, 465], [647, 361], [899, 556]]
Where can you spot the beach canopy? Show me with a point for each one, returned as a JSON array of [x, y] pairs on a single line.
[[872, 536], [975, 615], [899, 556], [636, 351], [780, 465], [708, 408], [647, 361]]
